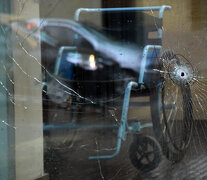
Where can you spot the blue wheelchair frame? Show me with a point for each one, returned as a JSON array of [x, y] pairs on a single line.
[[124, 127]]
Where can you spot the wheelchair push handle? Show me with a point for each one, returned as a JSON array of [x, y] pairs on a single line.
[[161, 10]]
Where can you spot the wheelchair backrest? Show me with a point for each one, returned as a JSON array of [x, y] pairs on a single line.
[[133, 26]]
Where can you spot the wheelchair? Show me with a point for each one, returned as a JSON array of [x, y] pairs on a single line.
[[169, 96]]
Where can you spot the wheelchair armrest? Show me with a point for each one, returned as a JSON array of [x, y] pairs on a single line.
[[147, 49]]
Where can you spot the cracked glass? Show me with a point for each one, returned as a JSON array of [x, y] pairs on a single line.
[[103, 89]]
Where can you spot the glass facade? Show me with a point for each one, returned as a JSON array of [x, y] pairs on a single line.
[[103, 89]]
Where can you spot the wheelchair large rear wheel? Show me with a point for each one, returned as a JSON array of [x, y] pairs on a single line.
[[171, 107]]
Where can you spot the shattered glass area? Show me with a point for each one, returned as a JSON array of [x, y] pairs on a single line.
[[91, 93]]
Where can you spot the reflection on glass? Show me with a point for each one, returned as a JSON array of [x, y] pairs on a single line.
[[103, 90]]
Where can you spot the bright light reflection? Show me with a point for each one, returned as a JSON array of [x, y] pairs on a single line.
[[92, 62]]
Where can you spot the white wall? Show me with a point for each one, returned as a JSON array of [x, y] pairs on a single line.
[[66, 9], [28, 101]]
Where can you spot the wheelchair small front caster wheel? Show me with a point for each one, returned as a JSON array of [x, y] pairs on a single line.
[[145, 153]]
